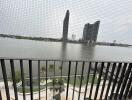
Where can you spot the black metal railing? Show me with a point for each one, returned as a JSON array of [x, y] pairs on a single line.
[[65, 79]]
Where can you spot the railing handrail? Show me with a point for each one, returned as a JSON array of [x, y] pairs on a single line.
[[116, 75], [64, 60]]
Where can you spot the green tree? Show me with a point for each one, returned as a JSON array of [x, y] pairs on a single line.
[[58, 86], [54, 81], [60, 68], [43, 71], [53, 87], [60, 82], [51, 67], [17, 76], [61, 86]]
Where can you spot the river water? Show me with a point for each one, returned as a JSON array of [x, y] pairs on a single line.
[[14, 48]]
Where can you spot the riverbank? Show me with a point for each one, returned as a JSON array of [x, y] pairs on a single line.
[[60, 40]]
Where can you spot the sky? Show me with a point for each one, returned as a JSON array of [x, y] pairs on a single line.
[[44, 18]]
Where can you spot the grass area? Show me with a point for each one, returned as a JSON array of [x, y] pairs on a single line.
[[27, 89], [27, 86], [35, 86], [78, 80]]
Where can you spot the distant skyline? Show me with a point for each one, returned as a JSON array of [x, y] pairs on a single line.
[[90, 32], [45, 18], [65, 26]]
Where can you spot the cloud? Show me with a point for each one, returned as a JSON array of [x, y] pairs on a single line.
[[45, 17]]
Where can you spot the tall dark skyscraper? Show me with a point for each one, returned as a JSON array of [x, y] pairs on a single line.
[[90, 32], [65, 26]]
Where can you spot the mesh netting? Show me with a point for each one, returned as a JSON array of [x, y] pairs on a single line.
[[45, 18]]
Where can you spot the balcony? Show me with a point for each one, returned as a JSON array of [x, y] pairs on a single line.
[[47, 79]]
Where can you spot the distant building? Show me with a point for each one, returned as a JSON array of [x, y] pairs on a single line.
[[90, 32], [114, 41], [73, 36], [65, 26]]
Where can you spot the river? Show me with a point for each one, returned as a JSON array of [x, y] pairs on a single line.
[[15, 48]]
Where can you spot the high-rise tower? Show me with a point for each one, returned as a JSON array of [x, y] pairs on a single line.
[[65, 26], [90, 32]]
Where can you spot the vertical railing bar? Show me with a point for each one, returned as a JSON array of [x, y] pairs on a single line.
[[110, 80], [61, 69], [14, 78], [31, 80], [0, 95], [87, 80], [125, 80], [39, 77], [5, 78], [81, 80], [120, 80], [130, 93], [61, 75], [22, 77], [128, 86], [99, 79], [54, 80], [68, 80], [105, 78], [74, 80], [91, 89], [46, 77], [115, 80]]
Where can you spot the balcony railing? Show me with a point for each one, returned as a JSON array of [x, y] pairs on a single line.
[[42, 79]]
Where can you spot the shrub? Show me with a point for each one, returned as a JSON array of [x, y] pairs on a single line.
[[51, 67], [60, 81], [17, 75]]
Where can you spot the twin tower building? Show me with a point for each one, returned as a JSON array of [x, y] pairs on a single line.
[[90, 31]]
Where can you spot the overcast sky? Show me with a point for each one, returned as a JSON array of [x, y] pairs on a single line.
[[45, 18]]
